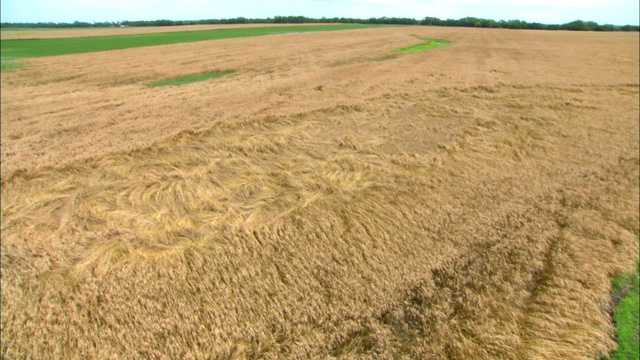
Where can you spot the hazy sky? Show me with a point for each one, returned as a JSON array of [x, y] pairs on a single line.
[[617, 12]]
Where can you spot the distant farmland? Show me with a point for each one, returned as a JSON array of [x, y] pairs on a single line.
[[21, 48], [320, 195]]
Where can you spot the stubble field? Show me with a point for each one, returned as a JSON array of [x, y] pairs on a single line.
[[326, 200]]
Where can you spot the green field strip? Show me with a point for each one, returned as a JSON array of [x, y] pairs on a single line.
[[428, 44], [191, 78], [7, 64], [25, 48], [626, 315]]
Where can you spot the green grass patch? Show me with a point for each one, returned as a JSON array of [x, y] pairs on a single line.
[[191, 78], [22, 48], [428, 44], [626, 290], [9, 65]]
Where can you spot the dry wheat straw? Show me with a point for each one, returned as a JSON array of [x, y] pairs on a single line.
[[375, 231]]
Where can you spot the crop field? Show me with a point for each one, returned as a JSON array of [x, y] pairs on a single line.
[[21, 48], [51, 33], [322, 195]]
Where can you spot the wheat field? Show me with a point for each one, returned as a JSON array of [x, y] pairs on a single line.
[[323, 202]]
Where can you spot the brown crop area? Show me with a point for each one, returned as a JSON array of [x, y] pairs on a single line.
[[325, 201]]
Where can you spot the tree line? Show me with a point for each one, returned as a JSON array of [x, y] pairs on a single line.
[[577, 25]]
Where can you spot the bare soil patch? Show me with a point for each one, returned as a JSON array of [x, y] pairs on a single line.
[[466, 202]]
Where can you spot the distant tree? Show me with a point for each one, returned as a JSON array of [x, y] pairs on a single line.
[[431, 21], [516, 24], [591, 25], [630, 28], [577, 25], [78, 24], [605, 27], [493, 24], [468, 22], [536, 26]]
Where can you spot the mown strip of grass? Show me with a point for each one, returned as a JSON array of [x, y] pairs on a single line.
[[23, 48], [428, 44], [626, 315], [191, 78]]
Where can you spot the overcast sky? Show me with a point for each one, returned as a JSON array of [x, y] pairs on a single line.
[[617, 12]]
